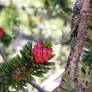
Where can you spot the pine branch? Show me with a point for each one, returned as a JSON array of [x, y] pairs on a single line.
[[83, 29], [74, 32], [21, 69], [79, 20], [32, 83]]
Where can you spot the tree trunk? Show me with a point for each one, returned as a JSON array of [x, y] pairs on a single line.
[[83, 29]]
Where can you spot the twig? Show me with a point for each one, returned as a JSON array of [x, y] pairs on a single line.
[[37, 86]]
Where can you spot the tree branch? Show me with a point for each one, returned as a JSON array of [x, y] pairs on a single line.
[[75, 55], [37, 86], [83, 29]]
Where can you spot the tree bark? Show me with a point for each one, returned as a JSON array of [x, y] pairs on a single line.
[[74, 57], [83, 29]]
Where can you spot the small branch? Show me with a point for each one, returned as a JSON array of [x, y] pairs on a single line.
[[37, 86], [2, 53]]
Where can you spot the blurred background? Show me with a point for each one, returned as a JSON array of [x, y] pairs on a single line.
[[36, 20]]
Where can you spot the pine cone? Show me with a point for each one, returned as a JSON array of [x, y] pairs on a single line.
[[1, 32], [40, 53]]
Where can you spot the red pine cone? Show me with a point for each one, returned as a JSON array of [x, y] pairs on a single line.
[[1, 32], [40, 53]]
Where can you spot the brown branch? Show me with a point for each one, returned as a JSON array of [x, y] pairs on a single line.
[[37, 86], [83, 29], [75, 55]]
